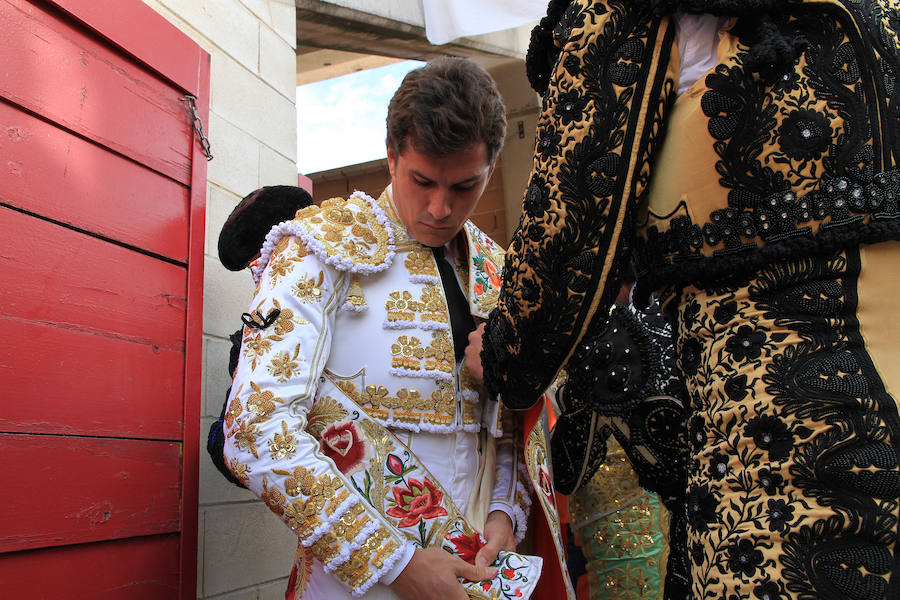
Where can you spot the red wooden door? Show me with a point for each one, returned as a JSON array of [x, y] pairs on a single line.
[[102, 199]]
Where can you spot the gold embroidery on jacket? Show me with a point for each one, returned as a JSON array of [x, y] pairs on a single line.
[[420, 262], [283, 365], [400, 306], [309, 290], [283, 445], [407, 353], [433, 306], [323, 413], [439, 354]]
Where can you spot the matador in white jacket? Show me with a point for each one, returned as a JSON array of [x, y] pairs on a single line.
[[351, 412]]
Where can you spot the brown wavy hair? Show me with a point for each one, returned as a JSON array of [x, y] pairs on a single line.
[[445, 107]]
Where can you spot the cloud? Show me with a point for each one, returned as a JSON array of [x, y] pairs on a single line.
[[340, 121]]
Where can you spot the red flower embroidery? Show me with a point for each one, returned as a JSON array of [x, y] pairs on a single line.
[[486, 585], [492, 274], [518, 593], [419, 501], [467, 546], [342, 443], [394, 465], [509, 573]]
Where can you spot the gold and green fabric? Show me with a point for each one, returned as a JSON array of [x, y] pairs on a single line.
[[764, 212], [622, 530]]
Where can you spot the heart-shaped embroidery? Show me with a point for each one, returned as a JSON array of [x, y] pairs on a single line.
[[341, 442]]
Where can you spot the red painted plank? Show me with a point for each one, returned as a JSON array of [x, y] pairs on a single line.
[[51, 172], [58, 70], [71, 490], [143, 33], [77, 383], [142, 568], [57, 276], [193, 351]]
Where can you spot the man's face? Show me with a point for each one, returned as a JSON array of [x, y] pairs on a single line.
[[434, 195]]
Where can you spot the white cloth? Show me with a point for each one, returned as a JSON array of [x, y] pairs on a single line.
[[447, 20], [698, 40]]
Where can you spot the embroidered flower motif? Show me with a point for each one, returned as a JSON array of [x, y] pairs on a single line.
[[343, 443], [725, 312], [467, 546], [255, 347], [690, 313], [508, 573], [536, 201], [394, 465], [407, 352], [549, 142], [261, 402], [718, 466], [744, 558], [736, 388], [746, 344], [283, 445], [308, 289], [780, 513], [400, 306], [770, 482], [273, 498], [283, 365], [768, 590], [770, 433], [421, 500], [805, 134]]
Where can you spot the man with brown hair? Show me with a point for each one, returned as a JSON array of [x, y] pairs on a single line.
[[352, 414]]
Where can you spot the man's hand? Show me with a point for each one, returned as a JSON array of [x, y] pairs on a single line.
[[433, 572], [498, 531], [473, 354]]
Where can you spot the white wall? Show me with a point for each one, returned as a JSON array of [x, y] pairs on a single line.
[[245, 551]]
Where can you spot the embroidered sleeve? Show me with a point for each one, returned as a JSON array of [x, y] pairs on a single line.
[[270, 443], [511, 483], [599, 126]]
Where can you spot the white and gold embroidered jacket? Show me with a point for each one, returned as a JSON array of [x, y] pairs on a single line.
[[354, 341]]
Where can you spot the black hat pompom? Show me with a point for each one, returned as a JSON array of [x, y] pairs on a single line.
[[245, 230]]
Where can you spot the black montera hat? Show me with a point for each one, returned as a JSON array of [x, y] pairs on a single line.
[[245, 229]]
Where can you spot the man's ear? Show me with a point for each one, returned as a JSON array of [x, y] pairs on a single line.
[[390, 159]]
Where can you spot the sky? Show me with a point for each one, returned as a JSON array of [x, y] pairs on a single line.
[[340, 121]]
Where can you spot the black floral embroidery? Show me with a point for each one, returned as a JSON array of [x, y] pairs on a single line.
[[772, 483], [701, 508], [746, 343], [805, 134], [536, 201], [768, 590], [744, 558], [770, 433], [736, 388], [780, 514], [548, 144], [718, 465]]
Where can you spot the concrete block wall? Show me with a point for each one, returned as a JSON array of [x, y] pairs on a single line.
[[245, 551]]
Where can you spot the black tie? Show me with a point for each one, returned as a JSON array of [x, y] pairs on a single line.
[[461, 321]]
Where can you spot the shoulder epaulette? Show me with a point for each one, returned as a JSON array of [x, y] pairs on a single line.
[[350, 235]]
